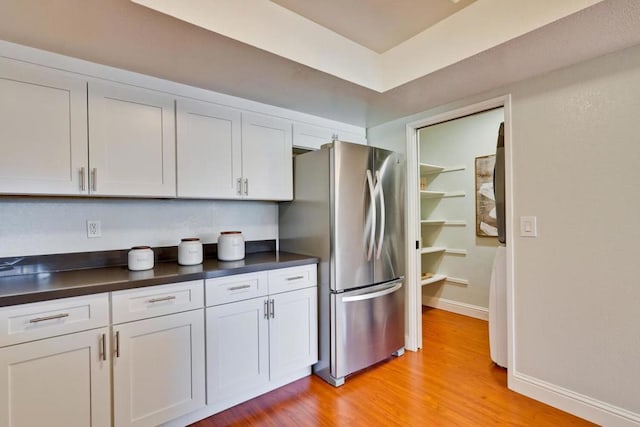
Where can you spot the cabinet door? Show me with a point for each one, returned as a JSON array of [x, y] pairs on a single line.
[[44, 131], [237, 348], [267, 165], [158, 369], [312, 137], [56, 382], [209, 150], [293, 331], [131, 142]]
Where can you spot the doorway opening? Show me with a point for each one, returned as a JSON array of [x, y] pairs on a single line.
[[450, 224]]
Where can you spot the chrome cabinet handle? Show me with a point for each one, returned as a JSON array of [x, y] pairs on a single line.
[[246, 186], [103, 347], [82, 186], [295, 278], [266, 309], [117, 349], [237, 288], [94, 179], [273, 309], [161, 299], [239, 189], [52, 317]]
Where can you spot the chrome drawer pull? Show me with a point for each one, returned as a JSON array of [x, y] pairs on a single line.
[[272, 310], [266, 309], [52, 317], [295, 278], [237, 288], [161, 299]]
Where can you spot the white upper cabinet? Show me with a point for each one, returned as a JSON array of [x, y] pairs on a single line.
[[43, 131], [209, 150], [267, 162], [131, 142], [227, 154], [73, 133], [313, 137]]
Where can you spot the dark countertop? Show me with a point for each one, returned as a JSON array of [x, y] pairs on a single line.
[[26, 288]]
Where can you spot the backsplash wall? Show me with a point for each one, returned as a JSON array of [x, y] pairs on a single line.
[[38, 226]]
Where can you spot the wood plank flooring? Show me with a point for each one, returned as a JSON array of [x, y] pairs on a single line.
[[450, 382]]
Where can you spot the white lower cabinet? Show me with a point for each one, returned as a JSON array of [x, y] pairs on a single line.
[[158, 369], [255, 341], [62, 364], [54, 364], [158, 361], [293, 336], [237, 348], [56, 382]]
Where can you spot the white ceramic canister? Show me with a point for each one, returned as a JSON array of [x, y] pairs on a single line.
[[140, 258], [190, 251], [230, 246]]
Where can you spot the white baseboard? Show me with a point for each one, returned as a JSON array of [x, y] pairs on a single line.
[[582, 406], [457, 307]]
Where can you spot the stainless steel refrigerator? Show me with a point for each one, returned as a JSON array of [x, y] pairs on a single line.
[[348, 210]]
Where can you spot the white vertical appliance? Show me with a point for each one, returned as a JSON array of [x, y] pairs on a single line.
[[348, 210], [498, 285]]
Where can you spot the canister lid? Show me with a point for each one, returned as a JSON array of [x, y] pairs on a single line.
[[140, 247], [231, 232], [191, 239]]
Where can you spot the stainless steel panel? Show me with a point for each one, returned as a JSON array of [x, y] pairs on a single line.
[[368, 328], [351, 216], [305, 228], [390, 170]]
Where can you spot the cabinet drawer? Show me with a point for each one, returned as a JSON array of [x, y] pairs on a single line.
[[28, 322], [289, 279], [238, 287], [152, 301]]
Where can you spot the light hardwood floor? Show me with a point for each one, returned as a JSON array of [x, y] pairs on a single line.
[[450, 382]]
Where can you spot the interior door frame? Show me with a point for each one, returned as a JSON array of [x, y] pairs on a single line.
[[414, 289]]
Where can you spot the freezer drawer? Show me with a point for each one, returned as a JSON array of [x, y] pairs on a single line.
[[370, 326]]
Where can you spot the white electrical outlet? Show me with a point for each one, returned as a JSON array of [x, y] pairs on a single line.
[[93, 229]]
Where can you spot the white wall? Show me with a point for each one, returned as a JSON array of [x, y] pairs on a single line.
[[35, 226], [576, 151], [458, 143]]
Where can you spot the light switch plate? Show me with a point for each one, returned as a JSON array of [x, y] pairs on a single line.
[[528, 226]]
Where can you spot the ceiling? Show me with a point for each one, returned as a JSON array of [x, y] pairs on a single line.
[[378, 25], [126, 35]]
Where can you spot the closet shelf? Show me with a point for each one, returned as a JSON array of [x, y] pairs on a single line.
[[436, 249], [440, 277], [432, 194], [426, 169], [432, 250], [443, 222], [433, 221], [428, 194], [433, 279]]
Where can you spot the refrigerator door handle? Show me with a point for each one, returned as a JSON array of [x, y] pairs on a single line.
[[372, 209], [373, 295], [383, 220]]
